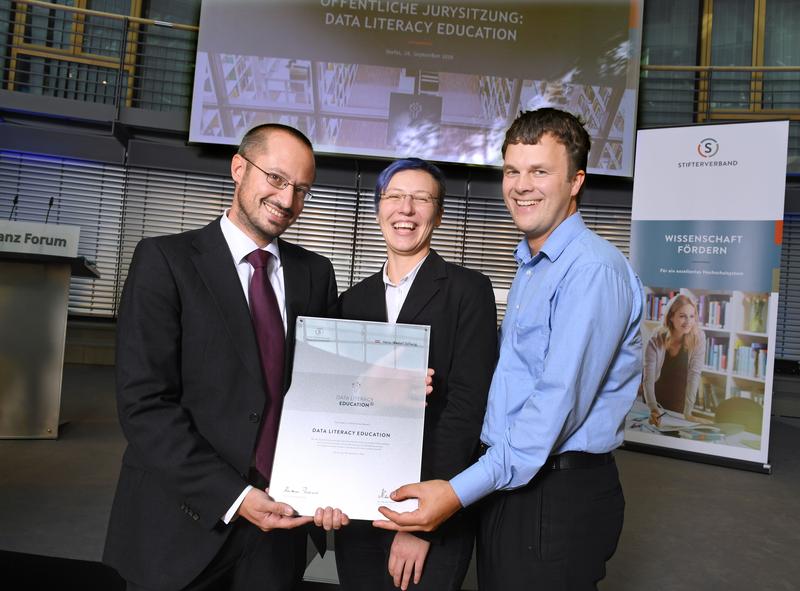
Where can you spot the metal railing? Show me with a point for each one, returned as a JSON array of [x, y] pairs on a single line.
[[97, 57]]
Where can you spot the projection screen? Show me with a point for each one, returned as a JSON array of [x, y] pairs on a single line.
[[436, 80]]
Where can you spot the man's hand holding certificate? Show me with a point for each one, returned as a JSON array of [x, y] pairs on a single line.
[[352, 422]]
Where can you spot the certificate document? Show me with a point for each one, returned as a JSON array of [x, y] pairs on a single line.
[[352, 422]]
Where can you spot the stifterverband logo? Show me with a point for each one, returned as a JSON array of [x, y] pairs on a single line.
[[708, 147]]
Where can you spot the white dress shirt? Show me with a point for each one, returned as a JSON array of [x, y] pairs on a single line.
[[396, 293], [242, 245]]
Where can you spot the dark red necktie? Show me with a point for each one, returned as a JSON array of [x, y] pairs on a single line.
[[271, 338]]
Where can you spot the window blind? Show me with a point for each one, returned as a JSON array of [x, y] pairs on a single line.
[[116, 207], [85, 194], [788, 331], [161, 202], [326, 227]]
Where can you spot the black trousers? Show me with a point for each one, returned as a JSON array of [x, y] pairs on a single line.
[[362, 558], [252, 559], [556, 533]]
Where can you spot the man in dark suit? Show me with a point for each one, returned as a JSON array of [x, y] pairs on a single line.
[[417, 286], [192, 508]]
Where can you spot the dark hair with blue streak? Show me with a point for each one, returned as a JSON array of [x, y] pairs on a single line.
[[410, 164]]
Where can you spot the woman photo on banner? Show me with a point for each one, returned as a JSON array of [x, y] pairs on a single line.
[[673, 359]]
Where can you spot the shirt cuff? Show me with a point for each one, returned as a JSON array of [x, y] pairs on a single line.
[[228, 517], [472, 484]]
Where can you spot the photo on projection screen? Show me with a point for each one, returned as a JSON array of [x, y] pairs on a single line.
[[440, 81]]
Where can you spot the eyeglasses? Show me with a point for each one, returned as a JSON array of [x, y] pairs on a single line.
[[418, 197], [280, 182]]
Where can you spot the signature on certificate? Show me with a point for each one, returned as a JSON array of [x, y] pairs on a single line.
[[304, 490]]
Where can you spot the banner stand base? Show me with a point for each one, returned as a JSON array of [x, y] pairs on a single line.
[[696, 457]]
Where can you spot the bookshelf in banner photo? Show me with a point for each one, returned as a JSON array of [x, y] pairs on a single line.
[[734, 324]]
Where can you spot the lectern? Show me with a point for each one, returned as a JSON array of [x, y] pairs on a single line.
[[36, 263]]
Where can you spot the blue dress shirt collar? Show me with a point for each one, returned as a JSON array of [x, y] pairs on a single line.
[[555, 244]]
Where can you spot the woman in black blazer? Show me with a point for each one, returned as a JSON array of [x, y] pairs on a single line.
[[417, 286]]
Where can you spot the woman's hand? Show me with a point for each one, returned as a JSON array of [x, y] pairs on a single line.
[[328, 518], [655, 417], [407, 557]]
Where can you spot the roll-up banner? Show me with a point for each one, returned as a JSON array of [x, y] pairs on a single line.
[[706, 232]]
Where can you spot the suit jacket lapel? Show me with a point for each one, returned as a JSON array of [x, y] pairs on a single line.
[[297, 284], [217, 270], [373, 307], [426, 284]]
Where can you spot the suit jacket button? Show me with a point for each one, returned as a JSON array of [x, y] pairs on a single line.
[[254, 417], [195, 516]]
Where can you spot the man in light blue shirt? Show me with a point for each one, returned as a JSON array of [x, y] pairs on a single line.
[[568, 371]]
